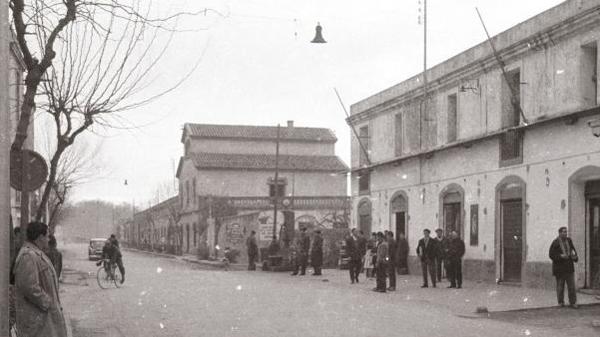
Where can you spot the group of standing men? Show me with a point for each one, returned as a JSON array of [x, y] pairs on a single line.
[[300, 254], [438, 251], [381, 255], [304, 250]]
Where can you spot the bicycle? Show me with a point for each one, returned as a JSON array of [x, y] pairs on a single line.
[[108, 273]]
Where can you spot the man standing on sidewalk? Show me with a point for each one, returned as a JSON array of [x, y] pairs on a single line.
[[353, 255], [563, 256], [440, 258], [316, 253], [382, 262], [39, 312], [252, 248], [391, 265], [455, 252], [303, 245], [427, 251]]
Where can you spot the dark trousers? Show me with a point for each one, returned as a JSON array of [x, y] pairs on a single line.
[[302, 263], [391, 270], [252, 262], [455, 272], [119, 263], [381, 271], [569, 279], [438, 268], [354, 266], [428, 266]]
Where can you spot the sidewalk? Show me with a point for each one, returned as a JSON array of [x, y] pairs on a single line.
[[461, 302]]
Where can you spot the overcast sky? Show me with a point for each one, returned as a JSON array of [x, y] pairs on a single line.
[[258, 67]]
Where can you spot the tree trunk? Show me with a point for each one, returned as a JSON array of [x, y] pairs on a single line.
[[60, 148]]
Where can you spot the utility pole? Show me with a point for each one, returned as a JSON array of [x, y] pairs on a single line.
[[5, 142], [276, 183]]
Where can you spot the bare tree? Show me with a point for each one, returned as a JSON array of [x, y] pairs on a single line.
[[95, 61], [78, 165]]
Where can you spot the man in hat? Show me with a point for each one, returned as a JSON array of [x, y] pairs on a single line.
[[440, 257], [563, 256], [427, 250], [303, 245], [316, 253]]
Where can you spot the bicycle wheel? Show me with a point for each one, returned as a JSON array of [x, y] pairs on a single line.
[[117, 277], [104, 280]]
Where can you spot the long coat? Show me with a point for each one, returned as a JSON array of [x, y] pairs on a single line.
[[39, 312], [316, 253], [562, 266], [428, 252], [252, 246]]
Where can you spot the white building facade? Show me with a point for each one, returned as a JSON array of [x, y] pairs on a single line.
[[467, 159]]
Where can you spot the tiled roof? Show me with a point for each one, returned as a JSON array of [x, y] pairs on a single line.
[[260, 132], [267, 162]]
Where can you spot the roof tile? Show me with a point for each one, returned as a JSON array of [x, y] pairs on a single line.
[[267, 162]]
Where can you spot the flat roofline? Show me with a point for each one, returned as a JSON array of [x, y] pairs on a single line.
[[503, 40]]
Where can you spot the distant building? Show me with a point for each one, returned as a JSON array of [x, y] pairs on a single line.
[[227, 173], [466, 159]]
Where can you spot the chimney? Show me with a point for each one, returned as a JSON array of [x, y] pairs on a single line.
[[290, 124]]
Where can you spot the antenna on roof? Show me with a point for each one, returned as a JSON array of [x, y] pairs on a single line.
[[513, 93], [362, 146]]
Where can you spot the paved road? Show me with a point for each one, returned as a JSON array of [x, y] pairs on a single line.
[[166, 297]]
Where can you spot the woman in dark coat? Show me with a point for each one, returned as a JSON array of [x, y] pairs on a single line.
[[316, 254]]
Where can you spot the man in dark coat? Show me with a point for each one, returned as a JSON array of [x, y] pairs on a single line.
[[427, 251], [455, 252], [402, 254], [353, 254], [302, 246], [54, 255], [316, 253], [563, 256], [252, 248], [391, 265], [361, 243], [383, 259], [440, 258]]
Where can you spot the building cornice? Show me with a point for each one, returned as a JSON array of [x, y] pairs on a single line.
[[568, 118], [536, 42]]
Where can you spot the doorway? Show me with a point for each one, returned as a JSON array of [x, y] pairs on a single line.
[[452, 211], [592, 195], [399, 213], [364, 216], [512, 239]]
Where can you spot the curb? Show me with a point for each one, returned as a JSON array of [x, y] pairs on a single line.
[[168, 256], [492, 313], [218, 264]]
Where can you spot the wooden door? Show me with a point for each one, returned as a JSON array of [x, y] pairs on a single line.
[[400, 223], [452, 218], [594, 237], [512, 239]]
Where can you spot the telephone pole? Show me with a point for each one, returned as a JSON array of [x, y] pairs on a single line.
[[5, 142]]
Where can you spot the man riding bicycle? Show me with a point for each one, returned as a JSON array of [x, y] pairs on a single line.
[[112, 253]]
